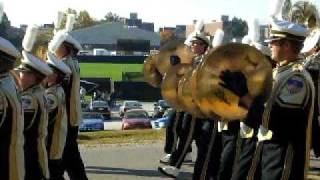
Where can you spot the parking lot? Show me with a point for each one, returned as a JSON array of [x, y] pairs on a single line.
[[120, 161], [115, 122]]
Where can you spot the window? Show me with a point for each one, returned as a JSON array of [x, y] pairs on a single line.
[[137, 114]]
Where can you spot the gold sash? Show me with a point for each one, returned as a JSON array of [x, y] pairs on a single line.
[[38, 92], [60, 124], [16, 160], [75, 117]]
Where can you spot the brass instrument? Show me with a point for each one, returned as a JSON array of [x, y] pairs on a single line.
[[158, 70], [302, 12], [196, 90], [170, 82], [173, 47], [151, 74], [185, 89], [213, 98]]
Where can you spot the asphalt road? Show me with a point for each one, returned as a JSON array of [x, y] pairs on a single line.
[[127, 162], [140, 162]]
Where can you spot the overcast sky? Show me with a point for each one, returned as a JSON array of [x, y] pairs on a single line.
[[161, 12]]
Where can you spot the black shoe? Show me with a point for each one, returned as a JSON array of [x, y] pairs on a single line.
[[169, 171]]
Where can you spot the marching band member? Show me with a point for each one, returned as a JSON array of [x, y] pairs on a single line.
[[11, 117], [176, 127], [58, 122], [248, 131], [311, 49], [285, 130], [32, 72], [65, 47], [193, 127], [172, 135]]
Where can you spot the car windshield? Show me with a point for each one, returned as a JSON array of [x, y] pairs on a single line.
[[132, 104], [91, 116], [136, 114], [99, 103], [163, 103]]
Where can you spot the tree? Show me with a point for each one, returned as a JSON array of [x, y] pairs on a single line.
[[112, 17], [239, 27], [83, 19], [235, 28]]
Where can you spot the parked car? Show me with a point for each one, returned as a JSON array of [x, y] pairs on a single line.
[[159, 108], [162, 122], [84, 104], [92, 122], [100, 107], [126, 105], [136, 118]]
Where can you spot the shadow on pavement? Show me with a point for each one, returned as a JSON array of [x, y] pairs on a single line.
[[122, 171], [134, 172]]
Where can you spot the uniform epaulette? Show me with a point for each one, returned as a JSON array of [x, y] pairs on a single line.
[[297, 67]]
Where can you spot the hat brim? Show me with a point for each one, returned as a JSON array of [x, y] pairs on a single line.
[[9, 49], [272, 39], [75, 44], [200, 39], [21, 68], [35, 63]]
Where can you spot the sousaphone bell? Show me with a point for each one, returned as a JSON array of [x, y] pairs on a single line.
[[212, 98], [151, 74]]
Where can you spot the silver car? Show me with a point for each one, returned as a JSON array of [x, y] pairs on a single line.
[[126, 105]]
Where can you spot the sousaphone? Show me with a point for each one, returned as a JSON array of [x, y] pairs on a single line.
[[173, 47], [302, 12], [185, 86], [158, 71], [212, 98], [170, 85], [151, 74]]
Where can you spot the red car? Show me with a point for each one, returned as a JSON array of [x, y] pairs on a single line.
[[135, 119]]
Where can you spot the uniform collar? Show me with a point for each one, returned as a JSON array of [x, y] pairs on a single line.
[[285, 66], [197, 60], [33, 88], [55, 85]]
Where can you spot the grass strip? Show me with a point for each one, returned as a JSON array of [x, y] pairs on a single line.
[[121, 137]]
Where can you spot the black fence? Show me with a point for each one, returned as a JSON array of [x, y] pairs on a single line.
[[136, 91], [123, 90], [112, 59]]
